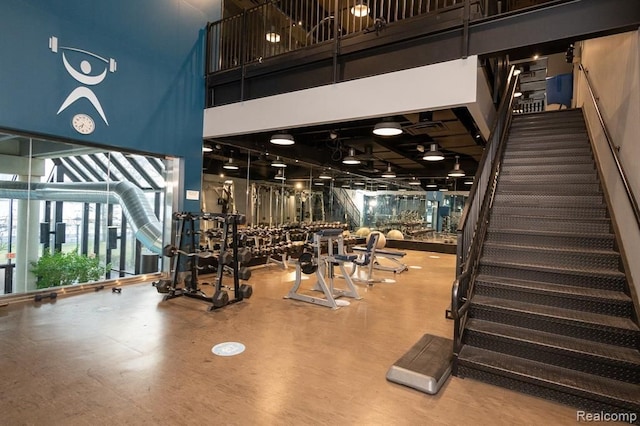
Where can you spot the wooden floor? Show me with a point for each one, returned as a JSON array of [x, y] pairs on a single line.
[[104, 358]]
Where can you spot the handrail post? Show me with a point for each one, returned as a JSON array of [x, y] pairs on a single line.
[[243, 42], [466, 16]]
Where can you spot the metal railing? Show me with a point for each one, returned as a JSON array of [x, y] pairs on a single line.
[[351, 210], [614, 150], [475, 216], [281, 26]]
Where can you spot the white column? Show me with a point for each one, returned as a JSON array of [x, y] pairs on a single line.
[[27, 241]]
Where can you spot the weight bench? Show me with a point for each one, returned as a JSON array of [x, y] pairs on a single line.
[[371, 255]]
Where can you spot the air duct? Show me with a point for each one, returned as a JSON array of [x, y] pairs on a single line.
[[135, 206]]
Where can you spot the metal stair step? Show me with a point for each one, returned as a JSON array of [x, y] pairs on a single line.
[[503, 198], [581, 168], [560, 161], [583, 390], [545, 211], [593, 278], [587, 225], [585, 299], [575, 240], [553, 256], [536, 188], [550, 179], [544, 131], [552, 152], [548, 116], [607, 329], [614, 362]]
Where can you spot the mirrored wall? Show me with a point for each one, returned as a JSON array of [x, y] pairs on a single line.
[[72, 214]]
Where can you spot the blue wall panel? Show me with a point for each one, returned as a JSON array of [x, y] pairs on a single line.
[[140, 61]]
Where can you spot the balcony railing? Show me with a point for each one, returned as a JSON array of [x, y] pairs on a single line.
[[283, 26]]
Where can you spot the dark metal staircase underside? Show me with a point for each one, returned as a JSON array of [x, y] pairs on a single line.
[[551, 313]]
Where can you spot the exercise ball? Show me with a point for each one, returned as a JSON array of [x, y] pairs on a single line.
[[363, 232], [394, 234], [382, 240]]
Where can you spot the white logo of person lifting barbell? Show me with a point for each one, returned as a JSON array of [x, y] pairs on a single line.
[[83, 123]]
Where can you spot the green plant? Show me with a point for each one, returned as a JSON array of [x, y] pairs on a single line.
[[57, 269]]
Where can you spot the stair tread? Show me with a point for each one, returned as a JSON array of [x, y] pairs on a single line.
[[519, 247], [556, 288], [541, 232], [559, 313], [560, 219], [585, 383], [488, 260], [552, 340]]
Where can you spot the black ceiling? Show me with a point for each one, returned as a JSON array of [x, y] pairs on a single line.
[[322, 148]]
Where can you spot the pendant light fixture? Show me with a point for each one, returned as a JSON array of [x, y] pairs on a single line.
[[433, 154], [278, 163], [272, 36], [456, 171], [388, 173], [351, 158], [206, 148], [324, 175], [414, 182], [360, 9], [229, 165], [387, 128], [282, 139], [432, 184], [280, 175]]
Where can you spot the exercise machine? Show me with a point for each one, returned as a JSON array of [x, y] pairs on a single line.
[[323, 265]]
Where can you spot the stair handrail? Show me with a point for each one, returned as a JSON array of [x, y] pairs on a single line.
[[348, 204], [475, 216], [614, 150]]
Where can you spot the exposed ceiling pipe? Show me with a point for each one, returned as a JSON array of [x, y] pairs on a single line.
[[135, 206]]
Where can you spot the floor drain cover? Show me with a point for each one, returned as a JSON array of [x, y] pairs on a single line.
[[228, 349]]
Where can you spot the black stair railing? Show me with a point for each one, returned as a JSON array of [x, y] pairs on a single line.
[[614, 150], [348, 206], [475, 216]]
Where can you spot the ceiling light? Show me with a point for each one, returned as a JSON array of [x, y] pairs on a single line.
[[382, 186], [517, 71], [282, 139], [228, 182], [272, 37], [443, 189], [414, 181], [468, 182], [280, 175], [359, 183], [388, 173], [351, 158], [432, 184], [433, 154], [456, 171], [206, 148], [360, 10], [229, 165], [318, 183], [278, 163], [387, 128], [324, 175], [346, 185], [517, 94]]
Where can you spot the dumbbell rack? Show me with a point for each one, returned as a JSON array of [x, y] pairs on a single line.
[[186, 228]]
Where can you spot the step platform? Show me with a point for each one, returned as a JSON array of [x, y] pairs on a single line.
[[426, 366]]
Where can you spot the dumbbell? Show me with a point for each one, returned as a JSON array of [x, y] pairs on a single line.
[[244, 273], [116, 290], [40, 297], [246, 291], [244, 255], [220, 298], [169, 250], [226, 258]]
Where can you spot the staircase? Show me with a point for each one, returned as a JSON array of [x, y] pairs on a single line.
[[551, 314]]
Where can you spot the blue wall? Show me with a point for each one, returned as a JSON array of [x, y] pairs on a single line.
[[153, 100]]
